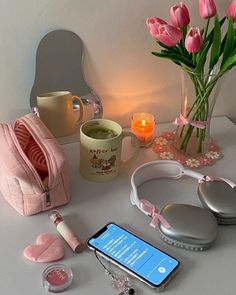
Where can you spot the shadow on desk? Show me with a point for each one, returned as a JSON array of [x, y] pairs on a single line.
[[85, 191]]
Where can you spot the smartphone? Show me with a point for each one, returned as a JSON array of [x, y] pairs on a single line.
[[139, 258]]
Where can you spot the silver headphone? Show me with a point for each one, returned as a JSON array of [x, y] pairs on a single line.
[[184, 225]]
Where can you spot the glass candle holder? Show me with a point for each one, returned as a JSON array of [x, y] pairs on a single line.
[[143, 125]]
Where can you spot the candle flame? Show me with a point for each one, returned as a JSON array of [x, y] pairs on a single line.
[[143, 122]]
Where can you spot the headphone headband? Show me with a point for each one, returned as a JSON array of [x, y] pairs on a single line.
[[158, 169]]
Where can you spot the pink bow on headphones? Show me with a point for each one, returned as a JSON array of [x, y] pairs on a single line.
[[150, 209], [181, 120]]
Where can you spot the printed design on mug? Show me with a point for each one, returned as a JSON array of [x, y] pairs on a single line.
[[101, 164]]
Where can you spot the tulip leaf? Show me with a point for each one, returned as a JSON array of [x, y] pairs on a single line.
[[177, 63], [211, 34], [234, 42], [223, 44], [173, 48], [229, 41], [215, 49], [174, 57], [201, 57], [228, 64]]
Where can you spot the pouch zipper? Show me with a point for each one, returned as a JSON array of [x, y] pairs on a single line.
[[28, 127], [45, 189], [47, 194], [50, 180]]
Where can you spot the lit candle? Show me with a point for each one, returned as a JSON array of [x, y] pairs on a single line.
[[142, 125]]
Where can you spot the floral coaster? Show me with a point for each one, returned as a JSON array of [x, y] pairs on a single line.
[[162, 146]]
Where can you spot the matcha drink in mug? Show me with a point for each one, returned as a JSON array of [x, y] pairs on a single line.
[[100, 149]]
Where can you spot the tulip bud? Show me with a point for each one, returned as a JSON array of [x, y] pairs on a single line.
[[231, 11], [179, 15], [163, 32], [153, 23], [193, 40], [207, 8]]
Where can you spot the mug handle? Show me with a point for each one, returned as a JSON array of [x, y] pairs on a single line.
[[135, 143], [81, 108]]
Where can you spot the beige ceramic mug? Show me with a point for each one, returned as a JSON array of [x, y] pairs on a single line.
[[56, 111], [100, 149]]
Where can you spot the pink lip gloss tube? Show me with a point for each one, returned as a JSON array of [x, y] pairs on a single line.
[[76, 244]]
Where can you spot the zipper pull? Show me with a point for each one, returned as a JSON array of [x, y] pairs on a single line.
[[47, 194]]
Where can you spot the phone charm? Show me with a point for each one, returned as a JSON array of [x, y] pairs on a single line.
[[121, 283]]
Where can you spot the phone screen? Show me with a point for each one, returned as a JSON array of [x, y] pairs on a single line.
[[143, 259]]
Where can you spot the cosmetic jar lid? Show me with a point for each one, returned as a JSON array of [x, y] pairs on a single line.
[[56, 278]]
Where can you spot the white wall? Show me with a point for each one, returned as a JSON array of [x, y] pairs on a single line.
[[119, 65]]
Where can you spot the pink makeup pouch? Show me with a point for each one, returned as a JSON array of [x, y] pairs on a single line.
[[33, 169]]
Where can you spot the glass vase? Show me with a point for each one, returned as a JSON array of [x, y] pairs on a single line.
[[199, 95]]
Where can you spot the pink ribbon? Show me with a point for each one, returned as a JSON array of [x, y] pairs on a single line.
[[181, 120], [150, 209]]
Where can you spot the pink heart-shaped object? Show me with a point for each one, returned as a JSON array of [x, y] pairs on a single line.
[[48, 247]]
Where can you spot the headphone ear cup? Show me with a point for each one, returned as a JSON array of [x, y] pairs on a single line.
[[219, 198], [192, 227]]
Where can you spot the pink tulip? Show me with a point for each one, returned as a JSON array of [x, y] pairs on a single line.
[[179, 15], [163, 32], [153, 24], [193, 40], [207, 8], [231, 11]]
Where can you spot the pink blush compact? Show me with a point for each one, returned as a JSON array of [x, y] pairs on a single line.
[[56, 278]]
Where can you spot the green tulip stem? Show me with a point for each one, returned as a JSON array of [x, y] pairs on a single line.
[[200, 110], [206, 29]]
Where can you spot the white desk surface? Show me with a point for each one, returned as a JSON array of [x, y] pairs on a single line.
[[93, 204]]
